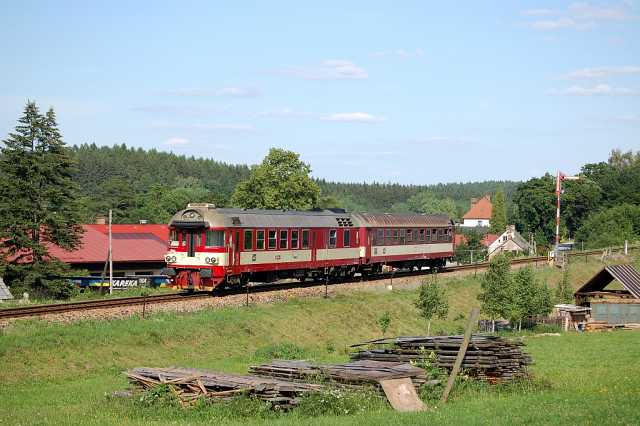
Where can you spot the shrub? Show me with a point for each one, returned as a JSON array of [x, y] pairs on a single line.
[[280, 351], [340, 402]]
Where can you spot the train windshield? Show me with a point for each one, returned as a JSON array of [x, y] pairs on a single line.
[[214, 238]]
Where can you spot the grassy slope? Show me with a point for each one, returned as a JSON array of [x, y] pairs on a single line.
[[53, 373]]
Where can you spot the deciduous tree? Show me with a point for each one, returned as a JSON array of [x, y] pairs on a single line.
[[432, 302], [281, 181]]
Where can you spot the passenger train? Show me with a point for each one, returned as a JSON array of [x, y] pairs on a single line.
[[211, 247]]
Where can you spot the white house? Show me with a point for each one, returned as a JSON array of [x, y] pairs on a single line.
[[479, 214], [509, 241]]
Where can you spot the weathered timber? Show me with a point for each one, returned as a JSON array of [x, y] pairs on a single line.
[[355, 373], [191, 384], [488, 357]]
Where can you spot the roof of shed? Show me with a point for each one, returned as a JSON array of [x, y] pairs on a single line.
[[627, 275], [402, 219], [481, 209], [131, 243]]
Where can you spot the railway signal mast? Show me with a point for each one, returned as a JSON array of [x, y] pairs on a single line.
[[560, 177]]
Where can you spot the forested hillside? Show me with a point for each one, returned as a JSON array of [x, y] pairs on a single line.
[[152, 185]]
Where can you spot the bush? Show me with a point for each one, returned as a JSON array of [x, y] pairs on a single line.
[[340, 402], [280, 351]]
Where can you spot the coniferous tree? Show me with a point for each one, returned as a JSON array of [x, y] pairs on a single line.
[[499, 214], [38, 202]]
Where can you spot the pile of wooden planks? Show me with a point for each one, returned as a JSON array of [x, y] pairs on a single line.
[[191, 384], [593, 325], [491, 358], [353, 374]]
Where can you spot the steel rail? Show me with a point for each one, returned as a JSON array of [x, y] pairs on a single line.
[[56, 308]]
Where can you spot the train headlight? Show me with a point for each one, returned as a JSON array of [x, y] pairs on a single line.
[[211, 260], [170, 259]]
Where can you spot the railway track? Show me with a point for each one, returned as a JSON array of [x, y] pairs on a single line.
[[28, 311]]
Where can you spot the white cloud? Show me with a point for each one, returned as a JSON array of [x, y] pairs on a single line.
[[631, 118], [331, 69], [540, 12], [353, 117], [400, 53], [231, 91], [176, 141], [579, 16], [602, 72], [597, 90]]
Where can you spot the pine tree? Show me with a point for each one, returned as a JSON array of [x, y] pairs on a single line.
[[499, 214], [38, 201]]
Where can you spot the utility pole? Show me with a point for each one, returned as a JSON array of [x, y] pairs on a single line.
[[560, 177], [110, 253]]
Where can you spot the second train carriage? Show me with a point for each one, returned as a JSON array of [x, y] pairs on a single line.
[[213, 246]]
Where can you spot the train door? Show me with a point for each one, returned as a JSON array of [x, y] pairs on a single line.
[[236, 250], [319, 244], [191, 244]]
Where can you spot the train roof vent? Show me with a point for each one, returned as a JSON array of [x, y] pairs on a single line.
[[235, 220], [344, 221], [201, 206]]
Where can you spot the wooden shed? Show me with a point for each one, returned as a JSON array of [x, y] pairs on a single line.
[[619, 304]]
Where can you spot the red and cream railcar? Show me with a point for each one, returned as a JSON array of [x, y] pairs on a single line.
[[213, 246], [406, 240]]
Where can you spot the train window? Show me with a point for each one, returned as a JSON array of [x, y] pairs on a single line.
[[420, 234], [440, 234], [284, 239], [380, 237], [403, 236], [248, 239], [183, 238], [173, 238], [333, 237], [428, 235], [395, 236], [388, 237], [272, 239], [346, 241], [305, 238], [260, 239], [197, 240], [409, 235], [434, 235], [294, 238], [213, 238]]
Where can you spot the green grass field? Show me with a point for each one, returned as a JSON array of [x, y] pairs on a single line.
[[63, 373]]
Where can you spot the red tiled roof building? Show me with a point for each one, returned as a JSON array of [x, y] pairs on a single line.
[[479, 214]]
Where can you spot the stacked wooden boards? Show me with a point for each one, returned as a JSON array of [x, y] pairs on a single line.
[[492, 358], [190, 384], [354, 374]]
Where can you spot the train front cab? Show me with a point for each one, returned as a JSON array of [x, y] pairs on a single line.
[[197, 258]]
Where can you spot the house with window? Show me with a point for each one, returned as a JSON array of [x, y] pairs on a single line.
[[509, 241], [479, 215], [138, 249]]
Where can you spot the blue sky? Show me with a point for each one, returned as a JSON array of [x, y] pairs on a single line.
[[411, 92]]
